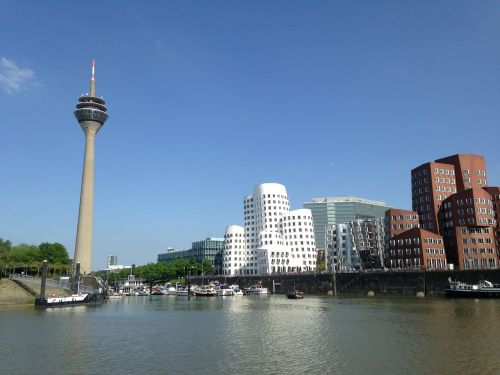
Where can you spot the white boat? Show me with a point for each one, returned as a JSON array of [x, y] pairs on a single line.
[[258, 289], [223, 290], [484, 289], [236, 290], [75, 298], [182, 292], [205, 291]]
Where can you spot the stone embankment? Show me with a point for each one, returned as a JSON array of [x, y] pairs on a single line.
[[430, 283]]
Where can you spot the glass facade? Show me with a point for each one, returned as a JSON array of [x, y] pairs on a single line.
[[338, 210], [209, 248]]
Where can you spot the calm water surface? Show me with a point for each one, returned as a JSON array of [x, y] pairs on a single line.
[[255, 335]]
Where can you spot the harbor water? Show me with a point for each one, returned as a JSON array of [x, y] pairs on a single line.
[[255, 335]]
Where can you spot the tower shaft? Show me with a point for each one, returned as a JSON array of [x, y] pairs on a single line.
[[91, 115], [83, 249]]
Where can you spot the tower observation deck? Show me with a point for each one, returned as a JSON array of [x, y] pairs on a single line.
[[91, 115]]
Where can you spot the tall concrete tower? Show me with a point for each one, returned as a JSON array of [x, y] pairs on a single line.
[[91, 114]]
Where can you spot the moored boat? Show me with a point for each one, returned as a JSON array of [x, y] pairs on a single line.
[[182, 292], [223, 290], [75, 299], [236, 290], [295, 294], [205, 291], [257, 289], [484, 289]]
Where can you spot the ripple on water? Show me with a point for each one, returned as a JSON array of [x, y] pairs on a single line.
[[246, 335]]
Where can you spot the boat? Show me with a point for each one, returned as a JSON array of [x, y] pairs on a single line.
[[224, 290], [257, 289], [171, 290], [484, 289], [182, 292], [236, 290], [205, 291], [90, 296], [74, 299], [295, 294], [157, 291]]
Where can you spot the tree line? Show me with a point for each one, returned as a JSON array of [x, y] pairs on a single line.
[[161, 272], [28, 258]]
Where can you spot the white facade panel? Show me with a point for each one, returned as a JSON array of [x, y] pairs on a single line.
[[268, 248]]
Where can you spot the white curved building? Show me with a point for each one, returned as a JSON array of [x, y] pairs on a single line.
[[268, 248], [298, 234], [234, 253]]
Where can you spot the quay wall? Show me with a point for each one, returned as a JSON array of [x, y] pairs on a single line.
[[431, 283]]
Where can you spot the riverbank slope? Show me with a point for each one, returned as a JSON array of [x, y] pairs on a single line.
[[13, 294]]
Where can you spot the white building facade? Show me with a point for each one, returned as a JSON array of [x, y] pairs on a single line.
[[273, 239], [355, 245]]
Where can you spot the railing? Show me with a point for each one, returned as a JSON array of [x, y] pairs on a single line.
[[48, 283]]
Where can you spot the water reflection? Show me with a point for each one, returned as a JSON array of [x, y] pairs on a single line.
[[255, 334]]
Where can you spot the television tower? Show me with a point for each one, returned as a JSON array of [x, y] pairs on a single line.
[[91, 114]]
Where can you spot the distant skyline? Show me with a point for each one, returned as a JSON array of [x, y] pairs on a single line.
[[207, 100]]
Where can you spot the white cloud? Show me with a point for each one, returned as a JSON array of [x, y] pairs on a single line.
[[13, 78]]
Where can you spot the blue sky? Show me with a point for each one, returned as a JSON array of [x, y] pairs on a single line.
[[207, 99]]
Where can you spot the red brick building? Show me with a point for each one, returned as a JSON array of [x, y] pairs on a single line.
[[397, 221], [470, 170], [416, 248], [467, 223], [434, 182], [451, 198], [495, 198], [431, 184]]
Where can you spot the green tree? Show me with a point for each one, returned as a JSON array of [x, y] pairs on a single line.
[[24, 253], [207, 267], [320, 266], [54, 253], [5, 245]]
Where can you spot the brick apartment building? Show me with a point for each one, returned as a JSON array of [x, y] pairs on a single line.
[[467, 223], [452, 200], [495, 198], [417, 248], [397, 221]]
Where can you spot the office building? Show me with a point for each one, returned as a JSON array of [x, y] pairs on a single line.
[[433, 182], [355, 245], [172, 254], [112, 260], [468, 228], [416, 248], [208, 249], [338, 210], [452, 199], [494, 192], [273, 238]]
